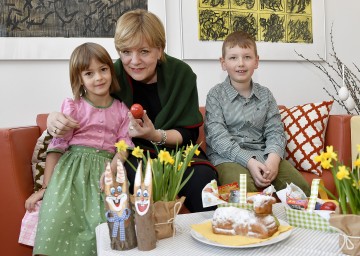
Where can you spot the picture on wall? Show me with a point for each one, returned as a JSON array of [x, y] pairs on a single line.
[[55, 18], [279, 26], [51, 29], [267, 21]]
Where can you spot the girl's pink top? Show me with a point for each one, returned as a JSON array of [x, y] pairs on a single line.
[[99, 128]]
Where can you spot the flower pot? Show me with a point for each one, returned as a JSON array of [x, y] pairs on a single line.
[[164, 214], [348, 226]]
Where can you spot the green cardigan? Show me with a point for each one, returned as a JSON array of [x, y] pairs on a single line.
[[177, 92]]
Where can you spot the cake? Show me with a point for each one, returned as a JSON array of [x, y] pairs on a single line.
[[258, 222]]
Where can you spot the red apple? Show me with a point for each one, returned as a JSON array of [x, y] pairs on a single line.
[[137, 111], [330, 206]]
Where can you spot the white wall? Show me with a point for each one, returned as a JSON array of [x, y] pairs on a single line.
[[32, 87]]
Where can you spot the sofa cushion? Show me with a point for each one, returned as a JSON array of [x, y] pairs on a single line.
[[38, 159], [305, 128]]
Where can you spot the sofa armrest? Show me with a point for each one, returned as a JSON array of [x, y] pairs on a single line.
[[338, 135], [16, 149]]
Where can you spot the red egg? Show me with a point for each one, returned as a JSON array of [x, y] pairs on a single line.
[[137, 111], [330, 206]]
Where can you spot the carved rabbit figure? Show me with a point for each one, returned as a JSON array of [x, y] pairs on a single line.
[[119, 217]]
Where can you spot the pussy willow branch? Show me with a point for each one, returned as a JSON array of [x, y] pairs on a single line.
[[350, 79]]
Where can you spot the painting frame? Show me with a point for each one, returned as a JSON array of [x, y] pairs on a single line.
[[54, 48], [194, 49]]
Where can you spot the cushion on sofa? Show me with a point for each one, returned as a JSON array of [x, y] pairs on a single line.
[[38, 159], [305, 128]]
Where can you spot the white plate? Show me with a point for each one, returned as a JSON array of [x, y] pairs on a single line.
[[280, 237]]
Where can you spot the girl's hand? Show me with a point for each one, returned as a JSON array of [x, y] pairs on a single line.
[[59, 124], [33, 199], [142, 128]]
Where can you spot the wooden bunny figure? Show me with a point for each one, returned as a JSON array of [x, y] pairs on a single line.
[[120, 220], [144, 217]]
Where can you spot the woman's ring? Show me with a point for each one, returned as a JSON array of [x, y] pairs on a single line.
[[55, 130], [131, 128]]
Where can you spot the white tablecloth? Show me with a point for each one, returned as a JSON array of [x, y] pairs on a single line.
[[301, 241]]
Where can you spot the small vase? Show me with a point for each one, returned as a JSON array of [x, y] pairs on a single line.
[[349, 237], [164, 214]]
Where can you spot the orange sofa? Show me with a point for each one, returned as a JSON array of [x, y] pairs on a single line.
[[17, 145]]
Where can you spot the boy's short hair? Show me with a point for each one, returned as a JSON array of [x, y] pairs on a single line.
[[239, 38]]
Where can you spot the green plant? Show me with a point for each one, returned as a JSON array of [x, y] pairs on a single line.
[[346, 179], [168, 168]]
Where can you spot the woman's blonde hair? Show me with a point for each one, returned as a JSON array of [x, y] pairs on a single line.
[[80, 60], [133, 27]]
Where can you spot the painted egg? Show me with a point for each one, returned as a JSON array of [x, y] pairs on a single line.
[[350, 103], [343, 93]]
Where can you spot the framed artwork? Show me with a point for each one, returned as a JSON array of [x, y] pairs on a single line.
[[38, 47], [280, 27]]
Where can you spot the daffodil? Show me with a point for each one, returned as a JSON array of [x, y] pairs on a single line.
[[165, 157], [138, 152], [326, 164], [357, 163], [168, 168], [343, 173], [347, 181], [121, 146], [331, 153]]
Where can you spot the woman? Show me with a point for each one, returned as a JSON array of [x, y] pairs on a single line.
[[165, 87]]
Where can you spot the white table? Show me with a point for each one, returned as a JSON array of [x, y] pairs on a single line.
[[301, 241]]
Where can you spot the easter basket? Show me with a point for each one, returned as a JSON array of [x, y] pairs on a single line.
[[309, 218]]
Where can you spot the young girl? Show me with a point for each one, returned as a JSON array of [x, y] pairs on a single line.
[[72, 205]]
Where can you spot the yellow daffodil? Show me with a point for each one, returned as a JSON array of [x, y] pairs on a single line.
[[326, 164], [138, 152], [121, 146], [343, 173], [330, 153], [180, 165], [165, 157], [347, 180], [356, 184], [357, 162]]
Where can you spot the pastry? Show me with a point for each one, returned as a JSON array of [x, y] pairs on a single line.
[[257, 223]]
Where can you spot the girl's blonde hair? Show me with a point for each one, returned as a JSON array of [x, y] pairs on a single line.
[[136, 26], [80, 60]]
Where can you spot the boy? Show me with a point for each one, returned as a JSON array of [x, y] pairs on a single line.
[[244, 132]]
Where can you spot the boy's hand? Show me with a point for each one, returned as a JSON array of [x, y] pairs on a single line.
[[272, 164], [33, 199], [258, 170]]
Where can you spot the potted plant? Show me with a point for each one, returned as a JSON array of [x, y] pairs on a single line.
[[347, 184], [168, 170]]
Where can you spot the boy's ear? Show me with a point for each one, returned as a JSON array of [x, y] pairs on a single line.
[[257, 61], [222, 63]]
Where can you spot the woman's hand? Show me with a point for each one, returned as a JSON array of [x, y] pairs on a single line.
[[33, 199], [59, 124], [143, 128]]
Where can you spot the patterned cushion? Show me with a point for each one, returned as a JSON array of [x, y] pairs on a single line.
[[38, 159], [305, 128]]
